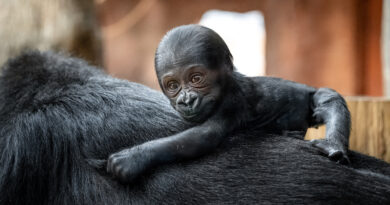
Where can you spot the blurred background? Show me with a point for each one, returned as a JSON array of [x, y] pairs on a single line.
[[344, 44], [332, 43]]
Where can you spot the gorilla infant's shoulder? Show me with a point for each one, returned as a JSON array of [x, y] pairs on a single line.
[[274, 83]]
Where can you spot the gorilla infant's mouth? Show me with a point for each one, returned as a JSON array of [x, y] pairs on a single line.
[[188, 113]]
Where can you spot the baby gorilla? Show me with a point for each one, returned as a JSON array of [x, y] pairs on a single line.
[[195, 71]]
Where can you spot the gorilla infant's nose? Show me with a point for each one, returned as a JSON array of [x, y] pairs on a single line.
[[191, 97], [187, 99]]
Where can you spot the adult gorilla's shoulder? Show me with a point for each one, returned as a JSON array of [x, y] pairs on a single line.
[[59, 117]]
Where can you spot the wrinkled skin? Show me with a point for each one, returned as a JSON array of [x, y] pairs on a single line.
[[195, 71], [194, 92]]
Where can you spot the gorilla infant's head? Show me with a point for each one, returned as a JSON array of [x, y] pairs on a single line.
[[193, 64]]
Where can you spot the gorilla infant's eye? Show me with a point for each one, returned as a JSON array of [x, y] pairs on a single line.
[[172, 85], [196, 78]]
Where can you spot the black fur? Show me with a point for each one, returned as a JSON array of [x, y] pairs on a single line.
[[60, 118], [223, 101]]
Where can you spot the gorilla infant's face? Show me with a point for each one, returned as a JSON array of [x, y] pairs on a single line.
[[193, 91]]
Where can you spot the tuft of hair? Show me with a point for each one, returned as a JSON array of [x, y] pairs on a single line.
[[192, 43]]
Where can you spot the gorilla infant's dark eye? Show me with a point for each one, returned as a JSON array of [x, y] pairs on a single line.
[[196, 78], [172, 85]]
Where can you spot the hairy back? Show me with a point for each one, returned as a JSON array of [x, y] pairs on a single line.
[[58, 116]]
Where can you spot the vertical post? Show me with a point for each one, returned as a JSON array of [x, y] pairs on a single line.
[[386, 47]]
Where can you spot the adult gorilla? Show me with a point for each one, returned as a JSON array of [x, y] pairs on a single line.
[[60, 117]]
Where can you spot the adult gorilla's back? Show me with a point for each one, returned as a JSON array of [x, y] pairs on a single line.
[[60, 118]]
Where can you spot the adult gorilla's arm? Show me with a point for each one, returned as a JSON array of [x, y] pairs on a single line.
[[59, 116]]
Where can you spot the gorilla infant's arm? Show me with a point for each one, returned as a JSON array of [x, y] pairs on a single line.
[[195, 71]]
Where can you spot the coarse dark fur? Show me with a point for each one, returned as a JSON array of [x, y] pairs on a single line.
[[60, 116], [195, 70]]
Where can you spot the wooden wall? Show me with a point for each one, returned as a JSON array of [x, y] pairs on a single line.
[[328, 43]]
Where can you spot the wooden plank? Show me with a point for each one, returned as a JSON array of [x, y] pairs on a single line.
[[369, 18], [370, 132], [386, 47]]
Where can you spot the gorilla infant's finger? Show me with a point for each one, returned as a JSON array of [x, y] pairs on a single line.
[[125, 176], [118, 169], [111, 163], [336, 155], [322, 146], [331, 150], [344, 160]]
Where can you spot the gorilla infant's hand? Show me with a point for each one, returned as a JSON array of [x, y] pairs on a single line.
[[335, 151], [128, 164]]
